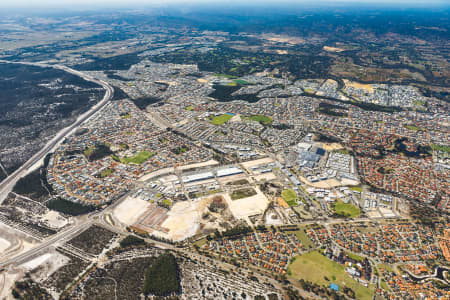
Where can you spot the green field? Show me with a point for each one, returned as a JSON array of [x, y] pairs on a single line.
[[419, 103], [225, 76], [442, 148], [355, 256], [413, 127], [241, 82], [106, 173], [342, 151], [138, 158], [290, 197], [303, 238], [167, 202], [190, 108], [385, 267], [242, 193], [265, 120], [222, 119], [201, 242], [356, 188], [303, 212], [384, 285], [314, 267], [346, 210]]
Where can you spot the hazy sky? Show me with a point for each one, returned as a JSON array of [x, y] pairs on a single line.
[[128, 3]]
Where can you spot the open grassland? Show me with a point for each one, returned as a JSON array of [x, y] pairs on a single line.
[[355, 256], [106, 173], [290, 197], [440, 148], [138, 158], [346, 209], [265, 120], [302, 237], [385, 267], [315, 267], [225, 76], [222, 119], [201, 242], [413, 127], [356, 188], [237, 82]]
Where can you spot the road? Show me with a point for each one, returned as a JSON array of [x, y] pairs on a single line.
[[58, 238], [8, 183]]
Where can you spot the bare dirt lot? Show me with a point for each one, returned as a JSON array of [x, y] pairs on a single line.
[[245, 207], [257, 162], [129, 211]]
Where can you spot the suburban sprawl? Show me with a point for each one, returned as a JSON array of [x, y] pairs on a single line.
[[212, 171]]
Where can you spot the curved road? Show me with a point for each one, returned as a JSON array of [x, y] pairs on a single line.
[[8, 183]]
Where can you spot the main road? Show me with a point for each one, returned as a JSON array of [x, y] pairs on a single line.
[[8, 183]]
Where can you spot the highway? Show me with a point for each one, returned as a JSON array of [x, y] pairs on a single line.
[[58, 238], [8, 183]]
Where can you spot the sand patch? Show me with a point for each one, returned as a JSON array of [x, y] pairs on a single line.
[[4, 244], [374, 214], [332, 146], [129, 211], [184, 219], [36, 262], [265, 176], [156, 174], [54, 219], [387, 213], [283, 39], [272, 218], [211, 162], [346, 181], [7, 281], [235, 119], [281, 52], [357, 85], [324, 184], [333, 49], [257, 162]]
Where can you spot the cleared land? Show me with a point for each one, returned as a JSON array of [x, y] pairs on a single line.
[[332, 146], [333, 49], [314, 267], [129, 211], [357, 85], [257, 162], [183, 220], [4, 244], [245, 207], [222, 119]]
